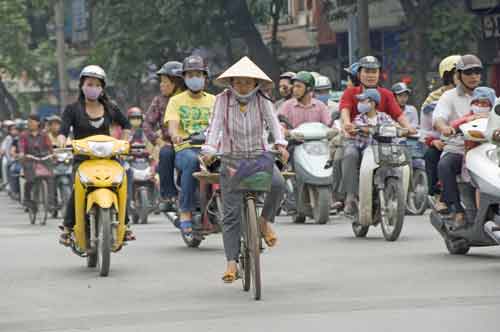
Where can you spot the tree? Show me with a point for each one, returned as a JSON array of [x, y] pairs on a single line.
[[437, 28], [24, 48], [139, 34]]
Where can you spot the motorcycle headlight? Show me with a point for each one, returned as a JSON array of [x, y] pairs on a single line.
[[101, 149], [388, 131]]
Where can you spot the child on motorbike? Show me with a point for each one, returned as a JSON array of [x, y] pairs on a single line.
[[483, 99], [369, 116]]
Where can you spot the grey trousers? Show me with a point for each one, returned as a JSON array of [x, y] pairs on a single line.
[[233, 206], [350, 169]]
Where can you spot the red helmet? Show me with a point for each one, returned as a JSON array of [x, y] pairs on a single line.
[[134, 112]]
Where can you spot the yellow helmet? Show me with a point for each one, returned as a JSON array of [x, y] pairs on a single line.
[[448, 64]]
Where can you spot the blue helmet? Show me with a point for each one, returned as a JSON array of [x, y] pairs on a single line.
[[483, 92], [371, 94], [352, 69]]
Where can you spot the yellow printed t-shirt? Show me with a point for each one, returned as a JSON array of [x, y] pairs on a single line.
[[192, 113]]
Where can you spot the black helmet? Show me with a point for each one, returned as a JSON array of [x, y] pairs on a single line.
[[34, 116], [194, 62], [171, 68], [400, 88], [369, 62], [468, 61]]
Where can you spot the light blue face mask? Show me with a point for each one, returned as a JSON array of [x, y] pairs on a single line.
[[364, 108], [245, 99], [195, 84]]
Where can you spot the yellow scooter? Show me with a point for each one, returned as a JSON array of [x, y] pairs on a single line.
[[100, 186]]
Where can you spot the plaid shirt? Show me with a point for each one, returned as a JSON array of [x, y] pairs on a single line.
[[362, 120], [153, 119], [234, 129]]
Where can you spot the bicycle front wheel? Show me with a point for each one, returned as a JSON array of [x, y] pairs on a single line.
[[253, 246]]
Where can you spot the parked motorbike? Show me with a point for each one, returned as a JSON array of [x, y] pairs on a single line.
[[417, 201], [63, 176], [383, 183], [144, 195], [100, 200], [313, 180], [482, 163]]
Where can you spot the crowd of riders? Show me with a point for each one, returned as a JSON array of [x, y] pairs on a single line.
[[244, 117]]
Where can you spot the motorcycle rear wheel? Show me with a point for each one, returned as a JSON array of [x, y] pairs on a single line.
[[417, 201]]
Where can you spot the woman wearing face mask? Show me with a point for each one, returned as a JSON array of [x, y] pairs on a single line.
[[241, 113], [92, 114]]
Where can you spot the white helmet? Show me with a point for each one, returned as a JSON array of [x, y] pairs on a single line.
[[9, 123], [95, 72], [322, 83]]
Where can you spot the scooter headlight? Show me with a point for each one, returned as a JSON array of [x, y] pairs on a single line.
[[101, 149], [316, 148]]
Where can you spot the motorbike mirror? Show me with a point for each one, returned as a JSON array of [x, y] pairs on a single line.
[[284, 119]]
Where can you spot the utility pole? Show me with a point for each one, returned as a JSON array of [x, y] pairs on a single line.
[[60, 53], [363, 28]]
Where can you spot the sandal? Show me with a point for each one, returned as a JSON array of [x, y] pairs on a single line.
[[230, 277], [269, 237], [186, 227], [129, 235], [65, 237]]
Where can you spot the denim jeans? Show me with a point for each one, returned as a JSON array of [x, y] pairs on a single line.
[[186, 162], [166, 171]]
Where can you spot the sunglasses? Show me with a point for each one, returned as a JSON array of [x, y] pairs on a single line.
[[472, 71]]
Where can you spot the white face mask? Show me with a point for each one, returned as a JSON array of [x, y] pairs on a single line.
[[479, 109]]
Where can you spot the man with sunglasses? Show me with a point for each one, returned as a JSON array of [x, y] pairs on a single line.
[[452, 105]]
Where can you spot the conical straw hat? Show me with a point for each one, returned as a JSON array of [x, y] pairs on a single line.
[[243, 68]]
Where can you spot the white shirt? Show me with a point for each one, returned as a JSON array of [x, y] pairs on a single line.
[[452, 105]]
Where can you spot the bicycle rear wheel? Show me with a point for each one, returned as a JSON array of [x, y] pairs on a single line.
[[253, 245]]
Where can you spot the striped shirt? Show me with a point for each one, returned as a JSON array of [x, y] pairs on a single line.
[[435, 95], [362, 119], [241, 128], [298, 113]]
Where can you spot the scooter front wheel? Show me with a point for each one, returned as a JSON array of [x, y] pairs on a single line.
[[358, 229], [321, 210], [394, 209], [105, 241], [417, 198]]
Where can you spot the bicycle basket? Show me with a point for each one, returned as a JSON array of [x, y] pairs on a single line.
[[393, 155], [250, 173], [415, 148]]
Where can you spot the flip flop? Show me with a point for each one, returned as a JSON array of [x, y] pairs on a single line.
[[269, 237], [230, 277]]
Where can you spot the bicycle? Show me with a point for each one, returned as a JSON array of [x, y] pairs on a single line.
[[251, 174], [39, 209]]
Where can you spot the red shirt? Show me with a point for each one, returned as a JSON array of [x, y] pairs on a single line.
[[388, 103]]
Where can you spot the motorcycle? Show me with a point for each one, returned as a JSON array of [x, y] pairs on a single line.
[[313, 180], [144, 193], [63, 174], [100, 186], [417, 201], [482, 164], [207, 219], [383, 183]]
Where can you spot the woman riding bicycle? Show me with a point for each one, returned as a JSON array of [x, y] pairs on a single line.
[[93, 114], [240, 115]]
